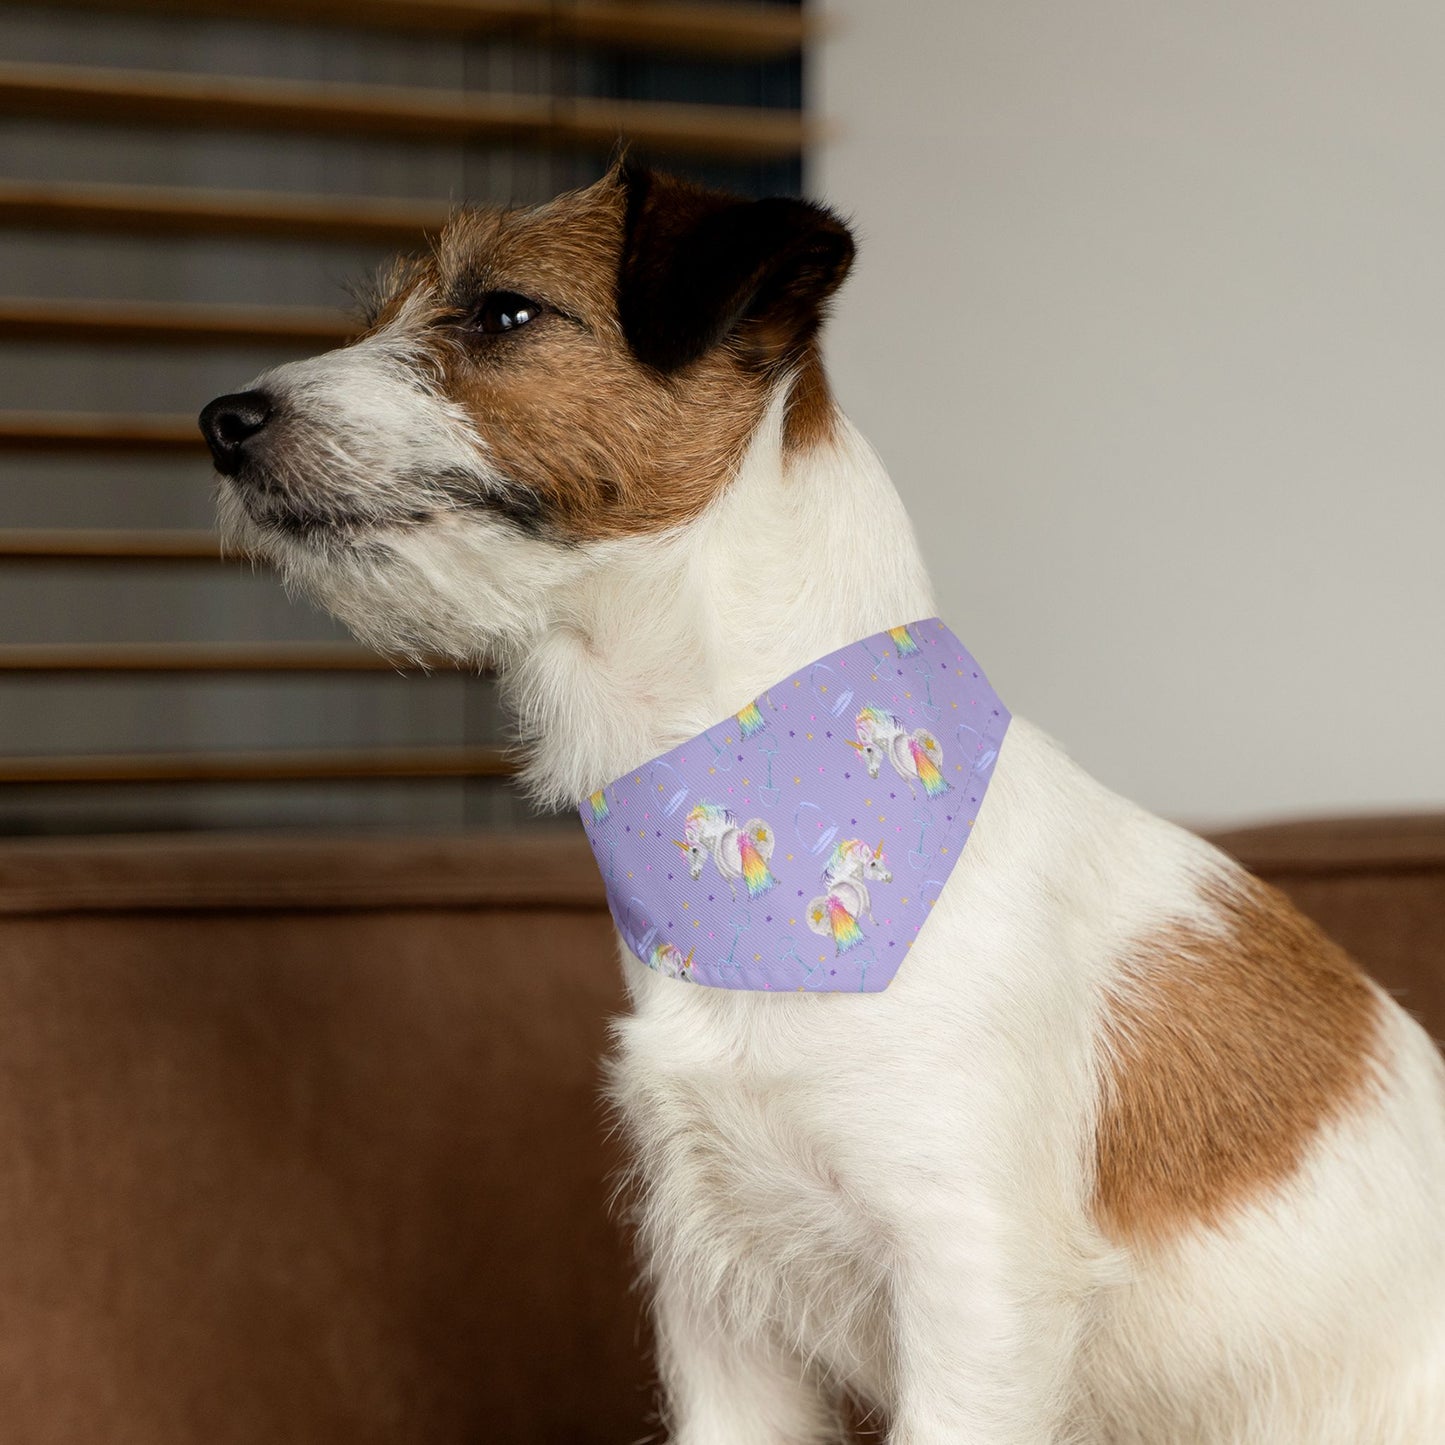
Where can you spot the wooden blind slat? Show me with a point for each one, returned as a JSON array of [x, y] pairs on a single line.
[[186, 657], [761, 32], [171, 323], [77, 431], [328, 765], [172, 211], [709, 28], [82, 544], [218, 102]]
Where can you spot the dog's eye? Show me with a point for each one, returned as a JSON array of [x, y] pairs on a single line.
[[504, 311]]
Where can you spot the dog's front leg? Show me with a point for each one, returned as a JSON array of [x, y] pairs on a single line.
[[721, 1387], [984, 1344]]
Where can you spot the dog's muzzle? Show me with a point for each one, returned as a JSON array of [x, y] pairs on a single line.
[[231, 423]]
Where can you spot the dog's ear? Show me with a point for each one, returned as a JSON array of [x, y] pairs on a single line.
[[700, 266]]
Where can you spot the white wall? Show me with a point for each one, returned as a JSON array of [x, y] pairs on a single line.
[[1149, 324]]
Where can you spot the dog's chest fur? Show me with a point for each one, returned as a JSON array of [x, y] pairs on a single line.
[[792, 1152], [750, 1193]]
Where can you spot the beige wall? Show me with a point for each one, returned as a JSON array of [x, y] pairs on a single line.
[[1149, 324]]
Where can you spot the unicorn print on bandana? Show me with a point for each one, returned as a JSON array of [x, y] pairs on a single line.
[[738, 852], [661, 829], [846, 898], [915, 755], [751, 720], [903, 641], [668, 960]]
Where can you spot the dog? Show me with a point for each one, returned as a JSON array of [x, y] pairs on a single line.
[[1127, 1153]]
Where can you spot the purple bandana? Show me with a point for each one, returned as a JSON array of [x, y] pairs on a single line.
[[799, 845]]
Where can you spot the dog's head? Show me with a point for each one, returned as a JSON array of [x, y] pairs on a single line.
[[544, 383]]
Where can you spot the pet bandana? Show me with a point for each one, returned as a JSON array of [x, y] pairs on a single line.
[[799, 845]]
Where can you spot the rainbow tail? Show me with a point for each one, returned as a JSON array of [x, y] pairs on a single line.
[[846, 933], [756, 873], [934, 783], [903, 640], [751, 720], [600, 809]]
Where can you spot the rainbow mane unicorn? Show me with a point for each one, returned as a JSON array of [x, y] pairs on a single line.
[[903, 641], [668, 960], [846, 898], [751, 720], [914, 755], [739, 852], [600, 810]]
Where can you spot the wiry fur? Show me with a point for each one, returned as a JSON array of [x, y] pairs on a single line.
[[894, 1195]]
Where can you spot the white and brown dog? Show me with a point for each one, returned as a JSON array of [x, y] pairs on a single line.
[[1128, 1152]]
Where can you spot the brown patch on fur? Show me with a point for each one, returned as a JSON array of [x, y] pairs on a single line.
[[383, 298], [604, 445], [1227, 1052], [812, 417], [596, 442]]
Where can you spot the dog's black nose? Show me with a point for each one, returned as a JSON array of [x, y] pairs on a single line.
[[229, 422]]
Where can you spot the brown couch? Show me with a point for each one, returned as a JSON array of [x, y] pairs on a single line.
[[302, 1141]]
